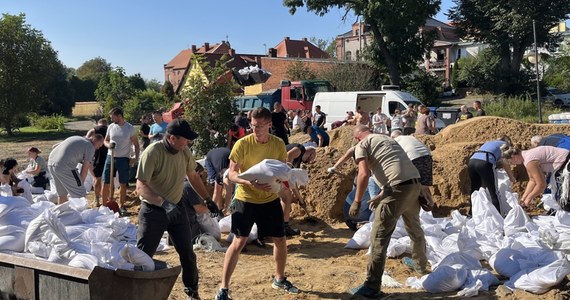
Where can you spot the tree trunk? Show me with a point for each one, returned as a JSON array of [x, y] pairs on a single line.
[[518, 54], [391, 64], [505, 54]]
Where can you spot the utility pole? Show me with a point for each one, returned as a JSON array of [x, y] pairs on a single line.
[[537, 73]]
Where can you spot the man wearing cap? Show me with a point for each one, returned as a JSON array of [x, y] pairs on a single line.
[[62, 163], [400, 184], [122, 135], [160, 185]]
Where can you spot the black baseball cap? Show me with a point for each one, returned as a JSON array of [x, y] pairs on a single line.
[[181, 127]]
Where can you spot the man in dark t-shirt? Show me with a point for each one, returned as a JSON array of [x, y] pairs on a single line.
[[478, 108], [217, 162], [279, 121], [464, 114]]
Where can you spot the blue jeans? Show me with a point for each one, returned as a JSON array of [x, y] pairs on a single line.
[[364, 214]]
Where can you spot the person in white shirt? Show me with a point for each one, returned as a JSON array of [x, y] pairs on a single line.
[[123, 136], [380, 122]]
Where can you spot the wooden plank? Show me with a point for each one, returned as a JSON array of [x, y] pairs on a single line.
[[52, 287], [6, 281], [44, 266], [24, 283]]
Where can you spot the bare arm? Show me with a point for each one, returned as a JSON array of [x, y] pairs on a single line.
[[145, 191], [321, 140], [346, 156], [90, 133], [361, 180], [196, 182], [85, 167], [536, 182], [135, 142], [201, 209]]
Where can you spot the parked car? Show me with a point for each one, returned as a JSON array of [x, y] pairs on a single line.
[[557, 97]]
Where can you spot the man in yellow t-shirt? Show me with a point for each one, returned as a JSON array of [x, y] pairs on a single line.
[[255, 203]]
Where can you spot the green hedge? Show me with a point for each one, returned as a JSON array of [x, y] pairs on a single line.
[[55, 122], [519, 108]]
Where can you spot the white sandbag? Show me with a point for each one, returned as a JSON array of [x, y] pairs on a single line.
[[102, 214], [506, 262], [445, 279], [70, 217], [27, 187], [460, 258], [252, 235], [483, 276], [361, 238], [137, 257], [225, 224], [467, 243], [298, 177], [399, 246], [97, 234], [84, 261], [51, 195], [12, 238], [39, 249], [516, 221], [6, 190], [7, 204], [268, 171], [563, 218], [549, 202], [540, 280], [40, 198], [456, 223], [119, 226], [209, 225]]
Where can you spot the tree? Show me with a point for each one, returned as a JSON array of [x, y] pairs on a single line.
[[144, 102], [27, 63], [209, 106], [558, 73], [153, 84], [353, 76], [93, 69], [168, 90], [397, 46], [137, 82], [300, 71], [114, 89], [328, 46], [424, 85], [507, 27], [58, 94]]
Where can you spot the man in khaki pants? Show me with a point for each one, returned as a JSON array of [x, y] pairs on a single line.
[[399, 179]]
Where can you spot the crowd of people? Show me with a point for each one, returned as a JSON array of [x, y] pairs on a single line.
[[394, 175]]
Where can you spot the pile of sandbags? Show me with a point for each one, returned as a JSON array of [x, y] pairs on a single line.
[[70, 234]]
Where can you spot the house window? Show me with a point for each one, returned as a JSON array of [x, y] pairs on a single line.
[[356, 32], [440, 54], [357, 54], [348, 55]]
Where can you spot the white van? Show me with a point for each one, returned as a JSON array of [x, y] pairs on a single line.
[[336, 104]]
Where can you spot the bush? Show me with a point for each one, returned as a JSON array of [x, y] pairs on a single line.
[[426, 86], [55, 122], [519, 108], [144, 102]]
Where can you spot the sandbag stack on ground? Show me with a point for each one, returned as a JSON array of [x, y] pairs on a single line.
[[70, 234]]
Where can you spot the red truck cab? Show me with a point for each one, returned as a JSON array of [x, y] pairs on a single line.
[[300, 94]]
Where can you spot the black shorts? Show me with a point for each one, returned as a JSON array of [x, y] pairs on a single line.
[[98, 169], [424, 164], [268, 217]]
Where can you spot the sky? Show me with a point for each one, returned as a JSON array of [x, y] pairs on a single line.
[[142, 36]]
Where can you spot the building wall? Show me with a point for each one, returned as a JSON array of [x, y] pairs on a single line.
[[195, 70], [175, 76], [352, 45]]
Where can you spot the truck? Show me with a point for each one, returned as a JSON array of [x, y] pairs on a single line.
[[292, 95], [336, 104]]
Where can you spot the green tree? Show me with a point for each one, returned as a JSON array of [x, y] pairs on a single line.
[[558, 73], [93, 69], [426, 86], [27, 64], [454, 75], [397, 46], [507, 27], [137, 82], [300, 71], [168, 90], [209, 106], [153, 84], [328, 46], [114, 89], [144, 102], [353, 76], [59, 94]]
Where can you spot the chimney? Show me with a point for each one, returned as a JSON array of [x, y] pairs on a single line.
[[307, 54], [206, 47], [304, 39], [286, 38], [232, 52], [193, 48]]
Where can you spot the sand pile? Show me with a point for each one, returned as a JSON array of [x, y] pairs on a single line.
[[451, 149]]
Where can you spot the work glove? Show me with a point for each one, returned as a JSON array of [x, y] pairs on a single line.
[[331, 170], [375, 201], [215, 212], [354, 209]]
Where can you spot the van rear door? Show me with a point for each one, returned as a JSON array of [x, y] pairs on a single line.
[[369, 102]]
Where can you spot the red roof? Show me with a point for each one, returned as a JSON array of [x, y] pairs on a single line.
[[299, 48]]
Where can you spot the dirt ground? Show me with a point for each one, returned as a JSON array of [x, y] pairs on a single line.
[[318, 263]]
